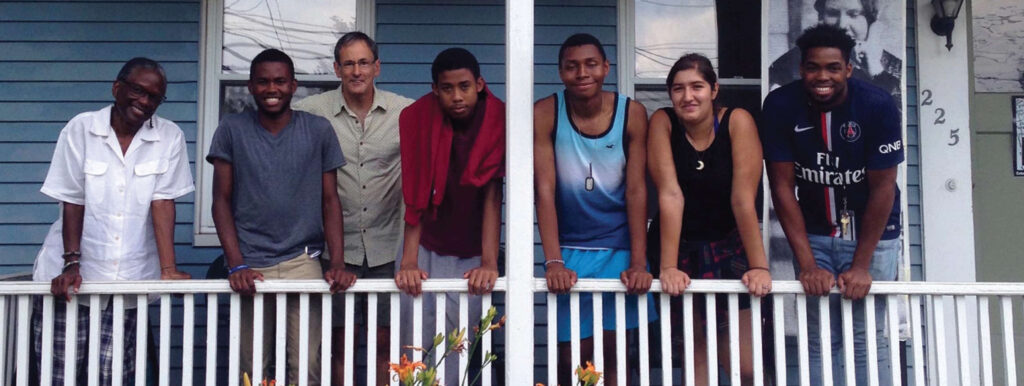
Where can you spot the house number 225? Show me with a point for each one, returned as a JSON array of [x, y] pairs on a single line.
[[940, 117]]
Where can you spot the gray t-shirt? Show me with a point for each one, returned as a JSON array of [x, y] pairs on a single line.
[[277, 191]]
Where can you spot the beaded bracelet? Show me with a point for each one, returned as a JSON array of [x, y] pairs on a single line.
[[71, 253], [553, 261], [237, 268]]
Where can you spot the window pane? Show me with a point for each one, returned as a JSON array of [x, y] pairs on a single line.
[[307, 33], [667, 29], [235, 98]]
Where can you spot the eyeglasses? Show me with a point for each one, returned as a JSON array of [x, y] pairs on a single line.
[[136, 91]]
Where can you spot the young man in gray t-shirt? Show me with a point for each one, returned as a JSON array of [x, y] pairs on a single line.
[[275, 204]]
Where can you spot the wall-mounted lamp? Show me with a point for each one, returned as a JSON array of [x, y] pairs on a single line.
[[946, 12]]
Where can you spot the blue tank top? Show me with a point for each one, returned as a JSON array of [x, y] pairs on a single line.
[[590, 187]]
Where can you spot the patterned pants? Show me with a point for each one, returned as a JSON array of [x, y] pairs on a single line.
[[106, 351]]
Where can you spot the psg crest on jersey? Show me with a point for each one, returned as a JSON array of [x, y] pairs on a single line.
[[850, 131]]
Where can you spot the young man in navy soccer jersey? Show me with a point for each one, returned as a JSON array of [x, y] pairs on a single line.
[[833, 144]]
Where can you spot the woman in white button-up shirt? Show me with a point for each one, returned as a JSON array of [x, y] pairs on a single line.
[[116, 172]]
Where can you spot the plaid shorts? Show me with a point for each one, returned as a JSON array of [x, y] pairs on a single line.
[[106, 351], [722, 259]]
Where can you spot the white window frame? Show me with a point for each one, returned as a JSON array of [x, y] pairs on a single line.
[[627, 62], [204, 234]]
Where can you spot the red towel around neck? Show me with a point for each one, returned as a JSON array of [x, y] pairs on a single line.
[[426, 144]]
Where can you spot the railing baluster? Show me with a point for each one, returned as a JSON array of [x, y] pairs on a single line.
[[734, 338], [598, 331], [350, 337], [666, 338], [117, 342], [165, 339], [280, 335], [963, 351], [917, 339], [212, 306], [825, 333], [986, 341], [188, 323], [327, 328], [141, 338], [1008, 348], [463, 324], [24, 311], [3, 340], [940, 338], [395, 332], [258, 325], [372, 342], [46, 365], [645, 361], [620, 337], [755, 337], [234, 336], [552, 327], [871, 337], [574, 332], [802, 344], [711, 336], [778, 320], [688, 351], [304, 339], [440, 309], [848, 347], [417, 327], [485, 376], [94, 340], [892, 311]]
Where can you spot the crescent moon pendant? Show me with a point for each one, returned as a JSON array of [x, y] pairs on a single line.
[[700, 165]]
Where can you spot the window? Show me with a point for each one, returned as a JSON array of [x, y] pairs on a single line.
[[234, 32], [660, 31]]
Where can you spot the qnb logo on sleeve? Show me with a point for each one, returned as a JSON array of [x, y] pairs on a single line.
[[891, 147]]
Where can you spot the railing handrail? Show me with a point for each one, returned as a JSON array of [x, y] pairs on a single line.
[[460, 285]]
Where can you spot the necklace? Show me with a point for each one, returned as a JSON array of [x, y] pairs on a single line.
[[711, 138]]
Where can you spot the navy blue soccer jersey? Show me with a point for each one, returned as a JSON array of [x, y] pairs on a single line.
[[832, 151]]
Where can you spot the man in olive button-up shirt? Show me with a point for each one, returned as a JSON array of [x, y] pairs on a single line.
[[365, 119]]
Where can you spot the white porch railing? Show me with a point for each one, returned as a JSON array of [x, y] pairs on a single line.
[[16, 304]]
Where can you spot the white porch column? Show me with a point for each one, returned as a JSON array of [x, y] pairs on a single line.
[[519, 197], [945, 145]]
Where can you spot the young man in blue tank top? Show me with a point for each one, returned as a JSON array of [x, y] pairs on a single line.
[[833, 145], [589, 164]]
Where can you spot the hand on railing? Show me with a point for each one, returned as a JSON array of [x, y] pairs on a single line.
[[817, 281], [410, 280], [673, 281], [481, 280], [758, 281], [339, 278], [172, 273], [70, 278], [855, 283], [560, 279], [636, 279], [243, 281]]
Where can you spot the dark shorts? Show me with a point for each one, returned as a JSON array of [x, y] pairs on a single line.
[[386, 271]]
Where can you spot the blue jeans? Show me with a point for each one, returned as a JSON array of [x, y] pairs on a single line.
[[836, 256]]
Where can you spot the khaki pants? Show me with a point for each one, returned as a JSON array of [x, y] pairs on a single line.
[[300, 267]]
